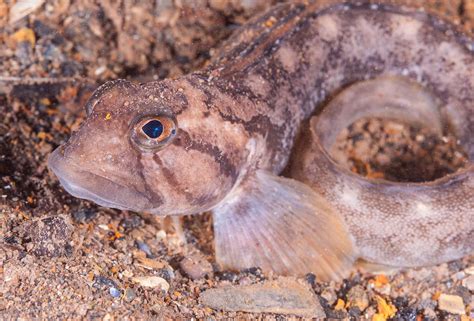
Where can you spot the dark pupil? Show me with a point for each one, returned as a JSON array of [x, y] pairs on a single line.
[[153, 129]]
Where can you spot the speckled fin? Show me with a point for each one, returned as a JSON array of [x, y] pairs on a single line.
[[282, 225]]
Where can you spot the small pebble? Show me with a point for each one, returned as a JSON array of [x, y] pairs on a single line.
[[145, 248], [129, 295], [330, 296], [357, 297], [283, 296], [459, 275], [195, 266], [102, 281], [469, 283], [167, 273], [451, 303], [161, 235], [311, 279], [104, 227], [84, 215], [114, 292], [152, 282], [430, 313], [100, 70], [127, 274], [150, 263], [463, 292], [131, 223]]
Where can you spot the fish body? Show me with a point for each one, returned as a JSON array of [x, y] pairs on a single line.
[[218, 139]]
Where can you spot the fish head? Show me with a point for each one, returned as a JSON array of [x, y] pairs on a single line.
[[147, 148]]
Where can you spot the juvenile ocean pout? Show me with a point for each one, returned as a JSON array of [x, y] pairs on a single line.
[[216, 140]]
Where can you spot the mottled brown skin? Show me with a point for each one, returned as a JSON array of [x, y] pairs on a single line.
[[192, 174], [395, 224], [238, 121]]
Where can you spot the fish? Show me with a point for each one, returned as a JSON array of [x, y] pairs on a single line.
[[272, 100]]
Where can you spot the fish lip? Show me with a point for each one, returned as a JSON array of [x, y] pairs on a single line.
[[79, 183]]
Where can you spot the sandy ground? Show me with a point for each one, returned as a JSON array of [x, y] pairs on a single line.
[[61, 257]]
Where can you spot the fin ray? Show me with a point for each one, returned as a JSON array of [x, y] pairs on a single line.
[[280, 224]]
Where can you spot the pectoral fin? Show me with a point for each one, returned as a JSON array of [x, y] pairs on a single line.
[[282, 225]]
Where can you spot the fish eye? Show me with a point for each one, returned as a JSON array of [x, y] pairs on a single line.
[[153, 132]]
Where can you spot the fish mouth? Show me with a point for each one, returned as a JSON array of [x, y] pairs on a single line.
[[94, 187]]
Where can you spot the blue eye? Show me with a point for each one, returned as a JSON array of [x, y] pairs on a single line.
[[153, 128], [153, 132]]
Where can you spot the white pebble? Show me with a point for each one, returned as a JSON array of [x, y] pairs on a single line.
[[451, 303], [469, 282], [152, 282]]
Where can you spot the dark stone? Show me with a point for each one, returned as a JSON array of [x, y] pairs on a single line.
[[102, 282], [132, 222], [404, 311], [254, 271], [354, 313], [464, 293], [71, 68], [227, 276], [84, 215], [311, 279], [145, 248], [41, 29]]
